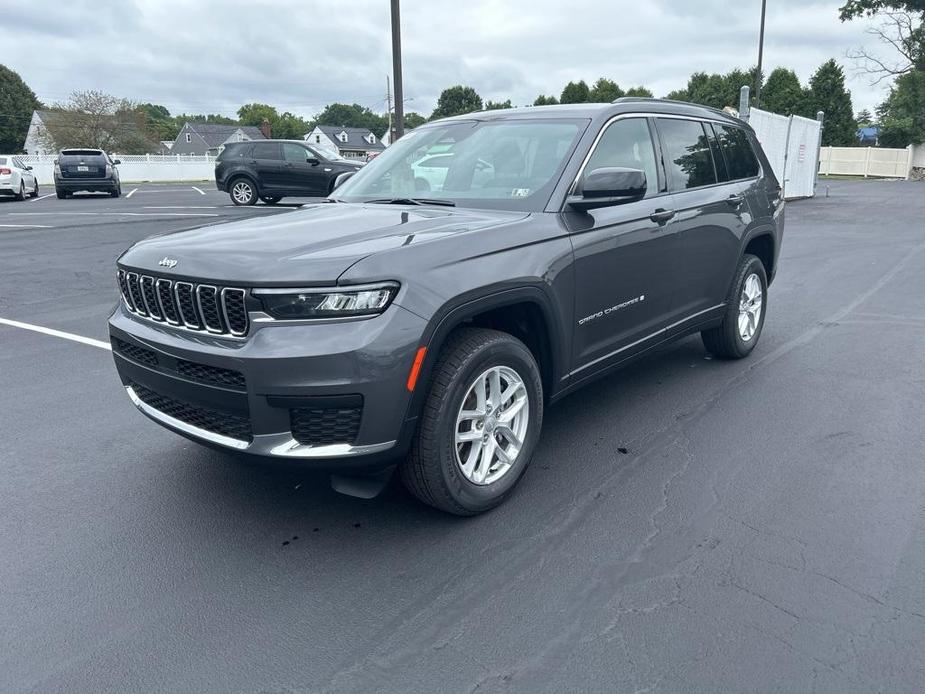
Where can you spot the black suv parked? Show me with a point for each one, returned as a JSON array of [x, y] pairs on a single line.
[[382, 328], [90, 170], [273, 169]]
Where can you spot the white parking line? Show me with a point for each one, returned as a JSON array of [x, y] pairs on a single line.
[[57, 333], [201, 192], [25, 226], [41, 197], [180, 207], [120, 214], [131, 193]]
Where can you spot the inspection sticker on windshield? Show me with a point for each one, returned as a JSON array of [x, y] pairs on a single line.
[[520, 192]]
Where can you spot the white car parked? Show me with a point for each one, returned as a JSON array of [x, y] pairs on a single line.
[[17, 179]]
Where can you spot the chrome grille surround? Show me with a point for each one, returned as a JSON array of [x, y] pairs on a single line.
[[203, 308]]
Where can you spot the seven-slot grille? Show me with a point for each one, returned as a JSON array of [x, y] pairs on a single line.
[[184, 304]]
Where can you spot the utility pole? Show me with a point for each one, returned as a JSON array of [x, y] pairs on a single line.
[[388, 98], [396, 71], [764, 5]]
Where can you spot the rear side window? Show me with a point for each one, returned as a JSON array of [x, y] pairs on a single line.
[[740, 157], [266, 150], [687, 153], [627, 143]]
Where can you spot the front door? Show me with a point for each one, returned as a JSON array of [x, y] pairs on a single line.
[[304, 171], [624, 255]]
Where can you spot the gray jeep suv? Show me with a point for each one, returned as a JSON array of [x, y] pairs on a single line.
[[424, 317]]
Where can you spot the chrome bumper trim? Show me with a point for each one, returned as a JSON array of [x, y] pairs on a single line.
[[175, 423], [280, 445]]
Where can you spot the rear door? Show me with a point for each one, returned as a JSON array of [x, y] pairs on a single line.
[[624, 255], [711, 215], [304, 172], [267, 162]]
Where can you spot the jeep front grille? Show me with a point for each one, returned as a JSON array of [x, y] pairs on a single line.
[[204, 307]]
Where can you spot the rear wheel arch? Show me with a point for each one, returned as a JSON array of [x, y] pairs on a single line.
[[762, 245]]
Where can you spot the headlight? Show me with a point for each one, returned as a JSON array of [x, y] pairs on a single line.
[[295, 304]]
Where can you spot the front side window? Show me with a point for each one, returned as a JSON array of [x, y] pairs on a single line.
[[627, 144], [502, 164], [687, 153], [740, 157], [295, 153]]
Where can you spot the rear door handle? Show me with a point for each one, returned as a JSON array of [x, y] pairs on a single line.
[[735, 200], [661, 216]]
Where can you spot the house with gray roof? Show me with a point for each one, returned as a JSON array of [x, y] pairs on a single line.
[[209, 138], [352, 143]]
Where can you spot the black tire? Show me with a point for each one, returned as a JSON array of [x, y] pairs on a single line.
[[248, 190], [271, 199], [21, 195], [725, 341], [60, 193], [35, 192], [431, 472], [116, 193]]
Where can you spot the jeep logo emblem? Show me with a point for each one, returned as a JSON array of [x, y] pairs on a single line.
[[167, 262]]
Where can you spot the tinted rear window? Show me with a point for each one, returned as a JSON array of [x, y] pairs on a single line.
[[687, 153], [740, 157], [73, 157], [266, 150]]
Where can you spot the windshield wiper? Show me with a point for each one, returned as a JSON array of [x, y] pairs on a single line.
[[412, 201]]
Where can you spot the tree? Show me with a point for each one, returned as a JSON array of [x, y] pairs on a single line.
[[902, 115], [456, 100], [639, 92], [352, 116], [215, 118], [716, 90], [255, 114], [605, 91], [413, 120], [496, 105], [543, 100], [864, 118], [159, 123], [902, 30], [782, 93], [575, 93], [98, 120], [827, 93], [17, 102]]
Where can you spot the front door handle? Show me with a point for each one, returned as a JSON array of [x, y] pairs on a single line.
[[661, 216], [735, 200]]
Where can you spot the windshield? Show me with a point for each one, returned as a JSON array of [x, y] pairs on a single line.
[[506, 164]]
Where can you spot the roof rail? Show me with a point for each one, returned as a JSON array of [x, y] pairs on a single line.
[[643, 99]]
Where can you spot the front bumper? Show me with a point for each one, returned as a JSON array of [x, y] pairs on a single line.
[[331, 394], [91, 185]]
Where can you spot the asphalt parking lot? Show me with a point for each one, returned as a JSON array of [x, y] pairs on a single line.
[[688, 525]]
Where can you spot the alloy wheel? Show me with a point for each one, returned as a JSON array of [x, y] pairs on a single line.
[[492, 425], [750, 307], [242, 192]]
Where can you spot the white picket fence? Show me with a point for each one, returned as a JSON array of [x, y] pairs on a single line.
[[137, 168], [883, 162]]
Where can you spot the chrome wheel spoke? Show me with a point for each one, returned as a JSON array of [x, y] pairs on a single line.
[[509, 413], [468, 436], [750, 306]]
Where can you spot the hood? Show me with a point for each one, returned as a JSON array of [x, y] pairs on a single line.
[[309, 247]]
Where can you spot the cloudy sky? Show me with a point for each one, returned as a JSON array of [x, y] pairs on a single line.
[[199, 56]]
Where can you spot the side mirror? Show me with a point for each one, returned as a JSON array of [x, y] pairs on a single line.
[[314, 161], [343, 177], [27, 168], [116, 161], [609, 186]]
